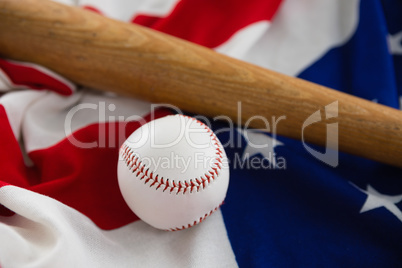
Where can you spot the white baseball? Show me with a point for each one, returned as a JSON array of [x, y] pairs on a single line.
[[173, 172]]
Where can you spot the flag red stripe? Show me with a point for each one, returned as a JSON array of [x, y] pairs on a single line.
[[22, 75], [146, 20], [215, 21]]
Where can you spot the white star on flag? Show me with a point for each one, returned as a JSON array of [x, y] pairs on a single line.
[[259, 143], [376, 200], [394, 43]]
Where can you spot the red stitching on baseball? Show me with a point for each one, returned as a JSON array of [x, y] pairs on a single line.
[[201, 219], [134, 163]]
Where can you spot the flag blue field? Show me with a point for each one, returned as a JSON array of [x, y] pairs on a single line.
[[313, 215]]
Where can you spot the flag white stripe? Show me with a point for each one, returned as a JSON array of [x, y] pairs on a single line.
[[46, 233], [300, 33]]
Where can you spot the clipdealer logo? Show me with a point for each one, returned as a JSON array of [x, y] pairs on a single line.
[[331, 154], [257, 141]]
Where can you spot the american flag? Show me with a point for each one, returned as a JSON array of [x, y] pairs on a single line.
[[60, 204]]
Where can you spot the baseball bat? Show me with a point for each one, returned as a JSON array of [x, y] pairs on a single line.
[[106, 54]]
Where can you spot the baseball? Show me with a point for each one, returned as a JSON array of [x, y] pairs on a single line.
[[173, 172]]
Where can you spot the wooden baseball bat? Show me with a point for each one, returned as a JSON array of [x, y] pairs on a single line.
[[106, 54]]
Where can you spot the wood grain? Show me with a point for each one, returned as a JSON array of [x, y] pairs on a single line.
[[129, 59]]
